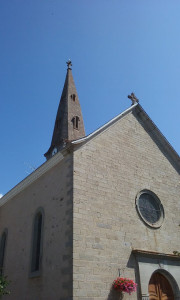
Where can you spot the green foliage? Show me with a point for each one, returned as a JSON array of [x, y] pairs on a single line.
[[3, 285]]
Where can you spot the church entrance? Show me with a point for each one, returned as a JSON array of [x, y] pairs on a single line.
[[160, 288]]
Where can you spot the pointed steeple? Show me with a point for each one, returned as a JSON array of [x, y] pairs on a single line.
[[69, 123]]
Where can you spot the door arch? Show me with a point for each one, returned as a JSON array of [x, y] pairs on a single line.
[[160, 288]]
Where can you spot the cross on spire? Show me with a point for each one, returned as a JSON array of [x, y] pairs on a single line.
[[69, 64], [133, 98], [69, 123]]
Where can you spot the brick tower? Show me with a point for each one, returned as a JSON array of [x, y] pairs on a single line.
[[69, 123]]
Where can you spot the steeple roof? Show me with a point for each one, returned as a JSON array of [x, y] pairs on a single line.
[[69, 123]]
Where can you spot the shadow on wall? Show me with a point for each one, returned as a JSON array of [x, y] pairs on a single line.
[[115, 295], [133, 265]]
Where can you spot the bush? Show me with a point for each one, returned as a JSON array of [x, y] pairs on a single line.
[[3, 285]]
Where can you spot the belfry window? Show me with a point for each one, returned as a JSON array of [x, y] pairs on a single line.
[[36, 257], [75, 121], [2, 250], [73, 97]]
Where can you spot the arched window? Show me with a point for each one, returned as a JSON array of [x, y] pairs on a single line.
[[2, 250], [36, 256]]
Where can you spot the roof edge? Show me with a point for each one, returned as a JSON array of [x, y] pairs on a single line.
[[56, 159], [150, 127], [32, 178], [158, 137], [104, 127]]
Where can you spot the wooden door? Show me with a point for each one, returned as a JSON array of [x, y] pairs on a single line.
[[160, 288]]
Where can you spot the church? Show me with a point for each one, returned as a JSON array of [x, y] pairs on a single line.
[[102, 206]]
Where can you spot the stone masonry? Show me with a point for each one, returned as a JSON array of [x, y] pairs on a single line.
[[53, 193], [109, 171]]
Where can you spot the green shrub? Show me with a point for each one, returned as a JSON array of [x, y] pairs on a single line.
[[3, 285]]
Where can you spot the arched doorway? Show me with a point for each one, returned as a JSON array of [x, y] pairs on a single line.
[[160, 288]]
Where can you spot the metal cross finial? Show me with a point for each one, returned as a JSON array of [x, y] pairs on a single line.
[[69, 64], [133, 98]]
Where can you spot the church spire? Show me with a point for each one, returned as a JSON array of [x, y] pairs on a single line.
[[69, 123]]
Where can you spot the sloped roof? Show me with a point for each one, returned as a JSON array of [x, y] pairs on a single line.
[[139, 114], [157, 137], [150, 127]]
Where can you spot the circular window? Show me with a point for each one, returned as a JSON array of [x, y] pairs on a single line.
[[150, 208]]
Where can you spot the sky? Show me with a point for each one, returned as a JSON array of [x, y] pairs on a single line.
[[116, 47]]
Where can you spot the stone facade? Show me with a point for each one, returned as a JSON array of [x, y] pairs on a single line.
[[92, 231], [109, 171], [52, 192]]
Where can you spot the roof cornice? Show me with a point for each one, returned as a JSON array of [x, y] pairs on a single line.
[[158, 137], [141, 115], [148, 125], [146, 253], [32, 177], [56, 159], [104, 127]]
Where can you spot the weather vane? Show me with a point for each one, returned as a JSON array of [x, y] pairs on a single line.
[[133, 98], [69, 64]]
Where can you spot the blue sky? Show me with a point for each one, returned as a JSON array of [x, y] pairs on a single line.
[[116, 47]]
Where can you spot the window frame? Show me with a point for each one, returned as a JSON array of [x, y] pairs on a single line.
[[34, 241], [3, 253], [157, 224]]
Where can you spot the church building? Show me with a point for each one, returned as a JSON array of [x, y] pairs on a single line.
[[102, 206]]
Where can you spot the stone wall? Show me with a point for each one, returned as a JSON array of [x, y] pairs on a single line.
[[109, 171], [52, 192], [91, 224]]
